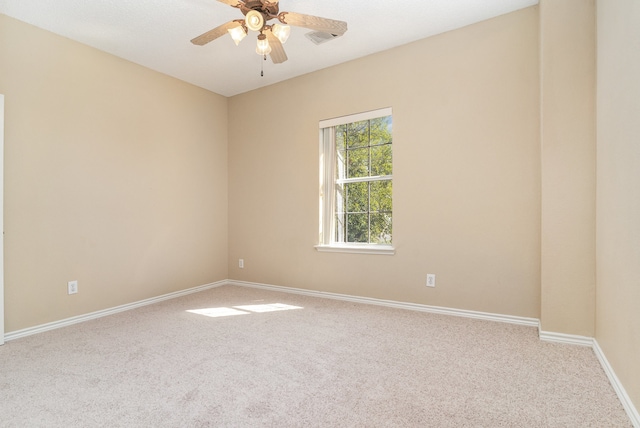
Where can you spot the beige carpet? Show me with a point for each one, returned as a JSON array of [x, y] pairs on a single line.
[[329, 363]]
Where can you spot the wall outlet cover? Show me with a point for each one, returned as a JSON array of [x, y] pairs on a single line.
[[431, 280], [72, 287]]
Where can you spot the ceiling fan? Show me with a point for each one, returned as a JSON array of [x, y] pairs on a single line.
[[257, 13]]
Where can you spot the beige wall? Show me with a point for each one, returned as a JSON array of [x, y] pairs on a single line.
[[618, 207], [466, 172], [115, 176], [568, 151]]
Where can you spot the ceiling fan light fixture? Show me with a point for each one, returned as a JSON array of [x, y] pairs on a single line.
[[271, 37], [263, 47], [282, 32], [254, 20], [237, 34]]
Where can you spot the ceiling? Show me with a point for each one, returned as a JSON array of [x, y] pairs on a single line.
[[157, 33]]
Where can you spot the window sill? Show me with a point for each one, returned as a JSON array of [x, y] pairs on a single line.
[[357, 249]]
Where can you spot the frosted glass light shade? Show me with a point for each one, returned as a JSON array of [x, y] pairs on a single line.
[[263, 47], [282, 32], [254, 20], [237, 34]]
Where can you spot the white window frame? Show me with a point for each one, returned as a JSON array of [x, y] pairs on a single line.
[[327, 188]]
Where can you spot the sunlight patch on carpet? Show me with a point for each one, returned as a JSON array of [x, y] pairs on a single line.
[[270, 307], [243, 310], [217, 312]]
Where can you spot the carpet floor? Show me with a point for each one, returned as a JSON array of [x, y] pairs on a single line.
[[243, 357]]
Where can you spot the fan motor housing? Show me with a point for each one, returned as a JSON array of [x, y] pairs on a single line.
[[268, 9]]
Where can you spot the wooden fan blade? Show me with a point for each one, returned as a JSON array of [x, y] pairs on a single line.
[[211, 35], [324, 25], [278, 56], [233, 3]]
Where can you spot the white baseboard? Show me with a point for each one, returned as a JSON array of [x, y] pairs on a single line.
[[569, 339], [631, 410], [103, 313], [531, 322]]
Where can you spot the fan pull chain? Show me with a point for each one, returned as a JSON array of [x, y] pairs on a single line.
[[262, 66]]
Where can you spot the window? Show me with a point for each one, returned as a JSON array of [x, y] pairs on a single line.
[[356, 183]]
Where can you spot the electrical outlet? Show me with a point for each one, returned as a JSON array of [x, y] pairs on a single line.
[[72, 287], [431, 280], [241, 263]]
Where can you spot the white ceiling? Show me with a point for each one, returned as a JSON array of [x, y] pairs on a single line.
[[157, 33]]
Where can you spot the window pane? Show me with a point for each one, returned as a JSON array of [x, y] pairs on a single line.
[[357, 197], [381, 196], [358, 163], [381, 228], [358, 134], [381, 160], [381, 130], [358, 228]]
